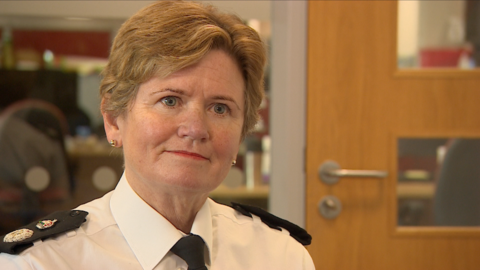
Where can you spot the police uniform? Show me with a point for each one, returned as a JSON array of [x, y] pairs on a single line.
[[121, 231]]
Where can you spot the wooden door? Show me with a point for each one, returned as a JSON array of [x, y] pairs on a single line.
[[358, 105]]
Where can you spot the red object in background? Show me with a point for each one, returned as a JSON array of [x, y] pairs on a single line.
[[428, 163], [77, 43], [442, 57]]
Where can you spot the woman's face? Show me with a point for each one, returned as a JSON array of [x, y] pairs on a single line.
[[183, 131]]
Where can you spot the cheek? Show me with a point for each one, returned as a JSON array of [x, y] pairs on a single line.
[[228, 144], [148, 131]]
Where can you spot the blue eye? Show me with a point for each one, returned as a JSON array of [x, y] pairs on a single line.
[[169, 101], [220, 108]]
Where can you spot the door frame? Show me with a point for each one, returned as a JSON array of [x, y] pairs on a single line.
[[288, 70]]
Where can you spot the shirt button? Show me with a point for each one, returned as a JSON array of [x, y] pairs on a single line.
[[74, 213]]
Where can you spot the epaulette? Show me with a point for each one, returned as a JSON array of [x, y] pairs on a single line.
[[53, 224], [275, 222]]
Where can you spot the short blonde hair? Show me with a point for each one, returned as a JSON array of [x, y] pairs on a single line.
[[168, 36]]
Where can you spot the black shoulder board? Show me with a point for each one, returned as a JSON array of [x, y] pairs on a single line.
[[275, 222], [53, 224]]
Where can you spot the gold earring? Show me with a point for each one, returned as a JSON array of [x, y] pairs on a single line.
[[113, 143], [234, 162]]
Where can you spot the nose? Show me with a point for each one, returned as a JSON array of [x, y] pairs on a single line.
[[194, 125]]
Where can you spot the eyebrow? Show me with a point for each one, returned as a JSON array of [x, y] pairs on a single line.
[[181, 92], [178, 91]]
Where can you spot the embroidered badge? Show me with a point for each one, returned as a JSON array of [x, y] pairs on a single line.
[[45, 224], [18, 235]]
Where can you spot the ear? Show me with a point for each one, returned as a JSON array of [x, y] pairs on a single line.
[[112, 127]]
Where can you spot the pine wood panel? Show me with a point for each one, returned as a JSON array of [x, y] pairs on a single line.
[[358, 104]]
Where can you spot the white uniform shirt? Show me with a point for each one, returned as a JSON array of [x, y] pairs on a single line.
[[124, 232]]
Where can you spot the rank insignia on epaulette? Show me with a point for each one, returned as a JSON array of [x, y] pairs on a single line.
[[50, 226], [18, 235], [45, 224]]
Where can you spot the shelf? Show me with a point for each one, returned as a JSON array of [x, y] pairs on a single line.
[[242, 192], [415, 190]]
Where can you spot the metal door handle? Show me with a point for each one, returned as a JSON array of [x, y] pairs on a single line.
[[330, 172], [357, 173]]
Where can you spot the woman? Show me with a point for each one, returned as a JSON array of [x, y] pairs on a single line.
[[180, 91]]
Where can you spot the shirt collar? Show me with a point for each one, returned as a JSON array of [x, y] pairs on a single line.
[[149, 234], [202, 226]]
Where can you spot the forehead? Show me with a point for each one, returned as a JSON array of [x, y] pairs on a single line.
[[217, 70]]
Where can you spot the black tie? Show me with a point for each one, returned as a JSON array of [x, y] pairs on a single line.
[[190, 249]]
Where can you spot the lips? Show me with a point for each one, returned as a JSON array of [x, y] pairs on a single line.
[[188, 155]]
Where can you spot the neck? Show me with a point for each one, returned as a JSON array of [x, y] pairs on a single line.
[[178, 207], [181, 212]]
